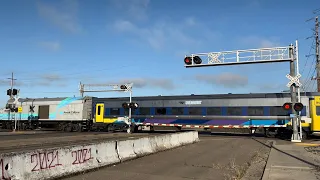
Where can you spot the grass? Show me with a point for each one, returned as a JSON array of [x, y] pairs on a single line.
[[236, 171]]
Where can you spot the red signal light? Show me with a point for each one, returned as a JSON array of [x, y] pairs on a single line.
[[188, 60], [287, 106], [298, 106]]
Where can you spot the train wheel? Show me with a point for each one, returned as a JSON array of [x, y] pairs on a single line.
[[60, 127], [270, 132], [305, 135], [77, 127], [68, 128]]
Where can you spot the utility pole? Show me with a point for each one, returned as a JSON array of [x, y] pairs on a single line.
[[317, 52], [12, 81]]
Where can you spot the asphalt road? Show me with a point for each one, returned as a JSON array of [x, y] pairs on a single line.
[[214, 157]]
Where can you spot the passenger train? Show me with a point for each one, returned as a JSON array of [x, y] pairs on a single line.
[[252, 111]]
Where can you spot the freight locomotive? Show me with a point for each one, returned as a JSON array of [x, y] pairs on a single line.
[[258, 110]]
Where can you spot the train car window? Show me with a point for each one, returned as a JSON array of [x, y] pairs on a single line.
[[317, 110], [234, 111], [177, 111], [195, 110], [114, 111], [144, 111], [99, 110], [161, 111], [215, 111], [255, 111], [278, 111], [126, 111]]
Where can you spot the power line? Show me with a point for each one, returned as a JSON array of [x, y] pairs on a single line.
[[317, 57]]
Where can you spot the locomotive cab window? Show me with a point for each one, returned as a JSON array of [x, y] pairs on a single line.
[[234, 111], [99, 110], [255, 111], [161, 111], [195, 110]]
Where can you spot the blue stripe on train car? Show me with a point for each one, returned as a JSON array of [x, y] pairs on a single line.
[[23, 116], [266, 122]]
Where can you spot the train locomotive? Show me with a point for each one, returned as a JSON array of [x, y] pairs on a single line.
[[251, 111]]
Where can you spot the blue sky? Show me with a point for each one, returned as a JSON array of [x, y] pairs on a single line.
[[53, 45]]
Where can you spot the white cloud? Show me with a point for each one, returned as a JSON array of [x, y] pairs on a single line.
[[66, 19], [167, 34], [52, 77], [7, 83], [52, 46], [4, 82], [134, 9], [258, 41], [228, 80], [190, 21]]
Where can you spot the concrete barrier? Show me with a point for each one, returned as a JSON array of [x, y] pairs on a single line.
[[142, 146], [125, 150], [58, 162]]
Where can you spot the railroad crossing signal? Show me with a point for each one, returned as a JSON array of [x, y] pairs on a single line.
[[196, 60], [132, 105], [126, 87], [293, 80], [13, 92], [298, 106], [20, 109], [288, 106], [123, 87]]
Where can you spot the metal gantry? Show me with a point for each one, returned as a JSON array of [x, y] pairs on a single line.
[[263, 55], [126, 87], [255, 56]]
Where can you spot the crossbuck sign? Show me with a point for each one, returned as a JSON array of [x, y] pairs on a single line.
[[293, 80]]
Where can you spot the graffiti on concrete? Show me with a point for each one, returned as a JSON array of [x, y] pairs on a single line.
[[45, 160], [81, 156]]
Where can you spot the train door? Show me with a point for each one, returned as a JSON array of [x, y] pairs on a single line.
[[99, 113], [315, 113]]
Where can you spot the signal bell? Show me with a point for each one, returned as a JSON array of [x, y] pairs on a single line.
[[287, 106], [196, 60]]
